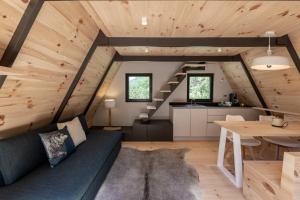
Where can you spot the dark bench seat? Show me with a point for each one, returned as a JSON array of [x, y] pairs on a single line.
[[77, 177]]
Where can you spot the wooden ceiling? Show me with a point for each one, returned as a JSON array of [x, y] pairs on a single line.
[[181, 51], [195, 18]]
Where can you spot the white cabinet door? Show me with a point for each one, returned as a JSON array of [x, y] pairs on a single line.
[[212, 128], [198, 122], [181, 122]]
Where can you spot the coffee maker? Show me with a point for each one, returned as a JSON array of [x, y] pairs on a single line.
[[233, 99]]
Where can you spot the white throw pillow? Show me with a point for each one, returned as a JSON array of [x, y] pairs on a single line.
[[75, 129]]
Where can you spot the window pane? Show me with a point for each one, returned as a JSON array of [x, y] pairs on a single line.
[[139, 87], [199, 87]]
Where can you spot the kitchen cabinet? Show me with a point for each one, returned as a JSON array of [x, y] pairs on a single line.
[[181, 122], [198, 118], [197, 122]]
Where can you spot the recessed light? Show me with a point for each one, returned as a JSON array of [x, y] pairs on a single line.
[[144, 21], [219, 50], [146, 50]]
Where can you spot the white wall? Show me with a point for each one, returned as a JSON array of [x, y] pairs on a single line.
[[125, 112]]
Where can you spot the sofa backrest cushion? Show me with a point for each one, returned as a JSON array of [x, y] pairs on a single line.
[[83, 123], [21, 154]]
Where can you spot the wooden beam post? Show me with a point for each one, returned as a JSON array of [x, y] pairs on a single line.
[[177, 58], [100, 83], [15, 44], [78, 76], [285, 40], [254, 86]]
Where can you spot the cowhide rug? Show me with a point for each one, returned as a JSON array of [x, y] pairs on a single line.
[[151, 175]]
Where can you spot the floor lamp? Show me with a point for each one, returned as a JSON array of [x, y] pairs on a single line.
[[109, 104]]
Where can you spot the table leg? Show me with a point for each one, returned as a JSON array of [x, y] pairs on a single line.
[[222, 144], [237, 180], [238, 161]]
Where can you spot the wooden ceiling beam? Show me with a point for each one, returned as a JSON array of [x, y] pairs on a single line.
[[252, 82], [189, 42], [121, 58], [100, 84], [78, 76], [16, 42]]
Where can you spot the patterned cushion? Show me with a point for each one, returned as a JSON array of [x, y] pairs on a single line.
[[75, 129], [58, 145]]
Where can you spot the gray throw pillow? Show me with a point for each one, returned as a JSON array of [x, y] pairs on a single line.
[[58, 145]]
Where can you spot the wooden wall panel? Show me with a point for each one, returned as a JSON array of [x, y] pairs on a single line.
[[280, 89], [11, 12], [239, 83], [102, 91], [55, 48], [89, 81]]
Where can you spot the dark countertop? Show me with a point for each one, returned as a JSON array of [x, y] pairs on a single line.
[[203, 105]]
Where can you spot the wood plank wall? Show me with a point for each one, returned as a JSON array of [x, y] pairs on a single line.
[[102, 91], [11, 13], [88, 83], [239, 83], [55, 48], [280, 89]]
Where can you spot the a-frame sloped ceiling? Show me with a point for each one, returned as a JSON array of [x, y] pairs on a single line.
[[280, 89], [88, 82], [102, 91], [56, 45], [11, 13]]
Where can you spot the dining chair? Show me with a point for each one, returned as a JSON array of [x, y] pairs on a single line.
[[246, 141], [279, 142]]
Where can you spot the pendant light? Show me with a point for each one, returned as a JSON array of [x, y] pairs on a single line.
[[270, 62]]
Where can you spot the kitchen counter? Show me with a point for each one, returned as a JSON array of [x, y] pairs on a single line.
[[202, 105]]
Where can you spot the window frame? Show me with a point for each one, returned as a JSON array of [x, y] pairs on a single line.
[[127, 75], [211, 75]]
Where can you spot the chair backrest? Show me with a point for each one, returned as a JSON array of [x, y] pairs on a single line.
[[265, 118], [236, 118]]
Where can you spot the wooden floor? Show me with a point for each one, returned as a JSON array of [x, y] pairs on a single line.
[[203, 157]]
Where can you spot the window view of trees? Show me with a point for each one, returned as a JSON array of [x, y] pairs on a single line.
[[199, 87], [139, 87]]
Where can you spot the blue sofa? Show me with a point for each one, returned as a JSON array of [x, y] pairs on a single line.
[[26, 174]]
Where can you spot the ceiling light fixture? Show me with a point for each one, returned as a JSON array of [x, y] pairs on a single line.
[[144, 21], [270, 62], [219, 50], [146, 50]]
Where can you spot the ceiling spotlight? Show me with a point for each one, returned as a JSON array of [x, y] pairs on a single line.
[[146, 50], [219, 50], [270, 62], [144, 21]]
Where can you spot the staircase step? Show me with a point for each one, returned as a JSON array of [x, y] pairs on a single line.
[[158, 99], [165, 90], [150, 107], [180, 74], [143, 116], [173, 82]]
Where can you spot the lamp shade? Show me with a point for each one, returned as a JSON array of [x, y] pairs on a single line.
[[270, 63], [110, 103]]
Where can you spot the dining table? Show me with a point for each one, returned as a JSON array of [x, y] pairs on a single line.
[[240, 129]]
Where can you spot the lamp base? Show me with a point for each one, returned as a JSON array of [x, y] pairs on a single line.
[[112, 128]]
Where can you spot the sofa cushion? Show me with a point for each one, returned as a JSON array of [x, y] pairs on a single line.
[[58, 145], [21, 154], [75, 129], [84, 123], [71, 178]]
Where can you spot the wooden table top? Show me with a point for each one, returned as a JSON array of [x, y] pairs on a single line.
[[256, 128]]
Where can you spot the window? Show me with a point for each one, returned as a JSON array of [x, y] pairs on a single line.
[[200, 87], [138, 87]]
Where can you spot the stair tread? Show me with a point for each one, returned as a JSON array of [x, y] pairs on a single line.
[[158, 99], [149, 107]]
